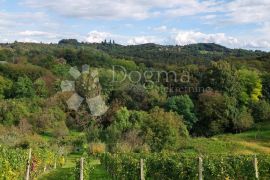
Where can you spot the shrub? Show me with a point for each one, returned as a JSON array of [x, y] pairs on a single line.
[[40, 88], [24, 87], [261, 111], [97, 148], [163, 129], [5, 87], [244, 120]]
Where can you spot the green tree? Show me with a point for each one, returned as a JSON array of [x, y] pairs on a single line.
[[24, 87], [13, 110], [119, 125], [244, 120], [71, 56], [261, 111], [156, 95], [163, 130], [221, 76], [216, 112], [5, 86], [266, 86], [251, 85], [183, 105], [122, 119], [61, 70]]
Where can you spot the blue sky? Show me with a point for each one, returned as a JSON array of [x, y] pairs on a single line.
[[232, 23]]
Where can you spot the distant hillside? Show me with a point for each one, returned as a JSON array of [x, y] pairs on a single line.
[[152, 55], [189, 54]]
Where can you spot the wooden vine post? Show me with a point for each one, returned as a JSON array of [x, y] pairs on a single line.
[[200, 168], [255, 163], [81, 168], [45, 168], [27, 176], [142, 171], [54, 166]]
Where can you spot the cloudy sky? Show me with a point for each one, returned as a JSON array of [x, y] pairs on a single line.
[[233, 23]]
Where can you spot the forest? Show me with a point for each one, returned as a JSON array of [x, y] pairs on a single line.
[[112, 101]]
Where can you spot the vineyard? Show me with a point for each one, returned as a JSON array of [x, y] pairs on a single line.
[[13, 162], [175, 166], [129, 166]]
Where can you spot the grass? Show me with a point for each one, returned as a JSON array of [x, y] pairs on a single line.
[[66, 172], [99, 172], [59, 174], [255, 141]]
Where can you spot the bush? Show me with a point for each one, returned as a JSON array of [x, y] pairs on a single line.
[[5, 87], [12, 111], [13, 71], [97, 148], [261, 111], [244, 120], [24, 87], [40, 88], [163, 130]]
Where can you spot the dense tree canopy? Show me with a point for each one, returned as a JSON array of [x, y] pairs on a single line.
[[157, 95]]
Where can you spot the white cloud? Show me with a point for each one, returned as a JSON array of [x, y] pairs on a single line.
[[143, 40], [256, 44], [28, 40], [35, 33], [192, 37], [189, 8], [97, 37], [105, 9], [13, 27], [247, 11], [236, 11], [136, 9]]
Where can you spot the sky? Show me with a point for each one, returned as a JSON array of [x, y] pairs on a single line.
[[232, 23]]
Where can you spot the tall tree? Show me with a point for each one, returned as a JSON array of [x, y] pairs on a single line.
[[251, 85], [183, 105], [221, 76]]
